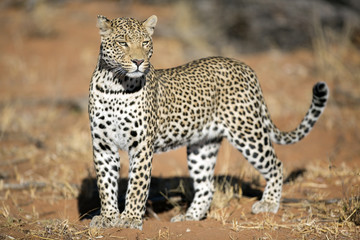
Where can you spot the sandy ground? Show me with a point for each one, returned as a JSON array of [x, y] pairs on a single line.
[[46, 61]]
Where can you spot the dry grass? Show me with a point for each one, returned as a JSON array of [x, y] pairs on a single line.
[[307, 227], [223, 195], [351, 206], [163, 234], [338, 64]]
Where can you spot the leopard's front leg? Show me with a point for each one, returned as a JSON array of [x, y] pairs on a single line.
[[140, 156], [107, 164], [106, 159]]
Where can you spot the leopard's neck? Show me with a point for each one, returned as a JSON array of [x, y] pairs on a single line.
[[108, 80]]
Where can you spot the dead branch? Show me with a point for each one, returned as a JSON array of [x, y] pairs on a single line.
[[298, 200], [21, 186], [14, 161], [152, 213]]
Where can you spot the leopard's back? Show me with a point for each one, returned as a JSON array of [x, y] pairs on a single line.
[[195, 99]]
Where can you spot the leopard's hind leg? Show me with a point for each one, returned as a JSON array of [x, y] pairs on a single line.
[[253, 141], [201, 164]]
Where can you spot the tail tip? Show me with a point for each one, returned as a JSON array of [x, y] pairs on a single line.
[[320, 89]]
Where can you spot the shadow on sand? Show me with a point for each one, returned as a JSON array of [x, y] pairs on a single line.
[[163, 191]]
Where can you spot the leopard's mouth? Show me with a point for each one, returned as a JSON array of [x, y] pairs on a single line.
[[135, 74], [140, 71]]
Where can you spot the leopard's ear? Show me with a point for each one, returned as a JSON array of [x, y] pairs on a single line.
[[150, 24], [104, 25]]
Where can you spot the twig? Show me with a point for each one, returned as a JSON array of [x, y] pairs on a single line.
[[350, 215], [21, 186], [152, 213], [297, 200], [42, 237], [4, 175], [14, 161]]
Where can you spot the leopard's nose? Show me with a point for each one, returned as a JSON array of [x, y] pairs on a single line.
[[137, 61]]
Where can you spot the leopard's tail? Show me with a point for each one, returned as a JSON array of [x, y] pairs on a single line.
[[318, 103]]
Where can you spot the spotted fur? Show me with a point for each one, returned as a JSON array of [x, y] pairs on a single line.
[[138, 109]]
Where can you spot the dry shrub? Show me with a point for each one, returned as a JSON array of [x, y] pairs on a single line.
[[351, 207], [56, 229], [224, 193], [41, 19], [337, 63]]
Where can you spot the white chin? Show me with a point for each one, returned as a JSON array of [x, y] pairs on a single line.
[[135, 74]]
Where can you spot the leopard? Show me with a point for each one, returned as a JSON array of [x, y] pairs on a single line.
[[140, 110]]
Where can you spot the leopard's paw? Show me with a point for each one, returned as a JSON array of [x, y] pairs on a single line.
[[105, 222], [118, 221], [265, 206], [133, 223], [182, 217]]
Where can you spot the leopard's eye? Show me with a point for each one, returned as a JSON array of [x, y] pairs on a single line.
[[144, 43], [122, 43]]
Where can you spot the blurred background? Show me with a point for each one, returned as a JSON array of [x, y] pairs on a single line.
[[49, 48], [55, 42]]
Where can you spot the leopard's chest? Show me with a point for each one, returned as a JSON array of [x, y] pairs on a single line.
[[118, 118]]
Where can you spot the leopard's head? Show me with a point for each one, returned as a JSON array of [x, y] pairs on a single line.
[[126, 45]]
